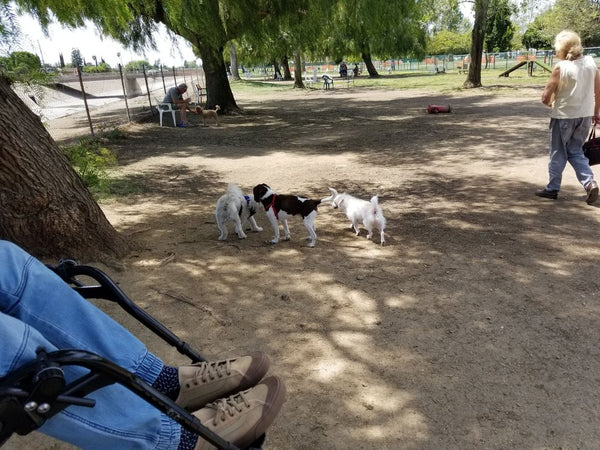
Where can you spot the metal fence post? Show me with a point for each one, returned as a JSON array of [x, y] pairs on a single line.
[[147, 88], [87, 110], [124, 93]]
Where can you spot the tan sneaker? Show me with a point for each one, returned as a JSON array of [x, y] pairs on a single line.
[[205, 382], [242, 418]]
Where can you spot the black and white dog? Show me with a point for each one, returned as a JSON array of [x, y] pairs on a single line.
[[238, 208], [279, 208]]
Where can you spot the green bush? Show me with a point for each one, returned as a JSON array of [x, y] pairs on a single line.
[[91, 161], [100, 68]]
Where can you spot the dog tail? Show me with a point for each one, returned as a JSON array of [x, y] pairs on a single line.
[[233, 188], [331, 197], [217, 108], [378, 212]]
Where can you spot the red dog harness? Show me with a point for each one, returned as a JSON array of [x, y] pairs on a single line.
[[272, 205]]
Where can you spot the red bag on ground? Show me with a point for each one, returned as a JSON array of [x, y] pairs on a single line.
[[434, 109]]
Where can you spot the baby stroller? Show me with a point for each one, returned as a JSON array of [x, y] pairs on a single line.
[[37, 391]]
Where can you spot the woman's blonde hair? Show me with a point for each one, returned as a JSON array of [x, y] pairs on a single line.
[[567, 45]]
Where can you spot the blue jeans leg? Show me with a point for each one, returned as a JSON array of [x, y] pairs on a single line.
[[566, 140], [38, 308]]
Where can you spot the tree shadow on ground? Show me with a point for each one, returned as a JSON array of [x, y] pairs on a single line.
[[488, 367], [405, 132]]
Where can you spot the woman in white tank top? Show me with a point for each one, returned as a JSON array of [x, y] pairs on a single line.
[[573, 93]]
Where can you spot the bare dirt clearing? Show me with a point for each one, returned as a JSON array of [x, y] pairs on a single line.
[[475, 327]]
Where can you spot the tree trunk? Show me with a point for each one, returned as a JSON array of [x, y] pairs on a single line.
[[298, 83], [235, 74], [287, 73], [477, 42], [276, 69], [369, 65], [44, 206], [218, 90]]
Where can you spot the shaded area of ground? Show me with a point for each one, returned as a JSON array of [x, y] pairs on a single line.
[[476, 327]]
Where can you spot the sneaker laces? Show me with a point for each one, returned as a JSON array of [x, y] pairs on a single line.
[[229, 406], [211, 370]]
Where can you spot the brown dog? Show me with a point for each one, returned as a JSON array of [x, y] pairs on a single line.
[[208, 113]]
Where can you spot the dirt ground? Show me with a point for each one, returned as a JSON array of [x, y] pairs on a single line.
[[476, 326]]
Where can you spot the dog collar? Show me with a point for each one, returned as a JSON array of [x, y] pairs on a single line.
[[272, 205], [250, 208]]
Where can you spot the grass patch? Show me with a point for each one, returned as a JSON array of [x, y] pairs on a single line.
[[92, 161], [442, 82]]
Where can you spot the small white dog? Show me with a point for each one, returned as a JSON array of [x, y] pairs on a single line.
[[238, 208], [369, 213]]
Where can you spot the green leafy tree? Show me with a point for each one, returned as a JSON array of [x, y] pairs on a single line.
[[137, 65], [581, 16], [499, 27], [538, 34], [208, 25], [76, 58], [444, 15], [299, 31], [377, 27], [100, 68], [449, 42]]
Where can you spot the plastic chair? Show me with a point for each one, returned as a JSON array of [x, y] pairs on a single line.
[[37, 391], [163, 107]]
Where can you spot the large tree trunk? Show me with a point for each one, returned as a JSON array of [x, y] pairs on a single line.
[[276, 69], [235, 74], [369, 65], [287, 73], [218, 90], [44, 205], [477, 42], [298, 83]]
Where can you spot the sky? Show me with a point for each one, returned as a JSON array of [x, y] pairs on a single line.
[[91, 43]]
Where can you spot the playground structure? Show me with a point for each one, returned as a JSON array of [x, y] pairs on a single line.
[[530, 64]]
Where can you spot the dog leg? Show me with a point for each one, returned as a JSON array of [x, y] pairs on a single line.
[[223, 228], [224, 233], [309, 223], [275, 225], [238, 228], [253, 225], [286, 230], [355, 227], [382, 237]]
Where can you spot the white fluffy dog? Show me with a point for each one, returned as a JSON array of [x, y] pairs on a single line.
[[369, 213], [238, 208]]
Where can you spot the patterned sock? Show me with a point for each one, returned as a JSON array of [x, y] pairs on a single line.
[[167, 382], [188, 440]]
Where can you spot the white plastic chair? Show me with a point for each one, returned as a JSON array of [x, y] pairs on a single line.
[[162, 108]]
